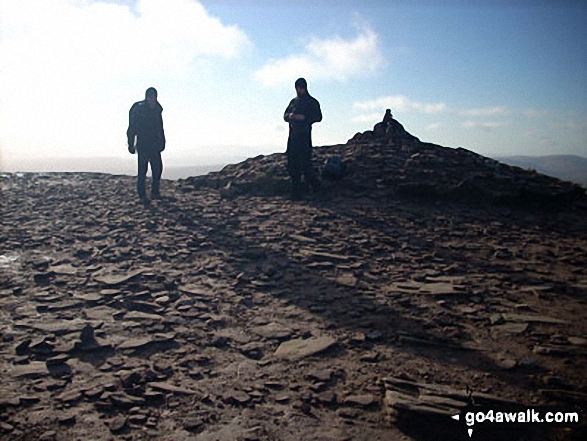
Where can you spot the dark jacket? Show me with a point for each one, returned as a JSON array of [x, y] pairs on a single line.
[[147, 125], [300, 132]]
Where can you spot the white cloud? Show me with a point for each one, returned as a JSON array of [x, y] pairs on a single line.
[[69, 67], [61, 38], [435, 126], [487, 111], [484, 125], [400, 103], [335, 58], [368, 118], [569, 124], [536, 113]]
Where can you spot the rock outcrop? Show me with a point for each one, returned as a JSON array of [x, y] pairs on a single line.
[[388, 163]]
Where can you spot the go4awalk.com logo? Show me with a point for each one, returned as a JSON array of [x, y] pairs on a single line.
[[488, 421]]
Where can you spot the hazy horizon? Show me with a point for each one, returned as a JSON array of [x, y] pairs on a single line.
[[569, 167]]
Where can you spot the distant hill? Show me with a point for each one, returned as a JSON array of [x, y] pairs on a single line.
[[568, 167]]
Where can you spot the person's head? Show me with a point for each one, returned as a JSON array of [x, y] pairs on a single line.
[[301, 87], [151, 97]]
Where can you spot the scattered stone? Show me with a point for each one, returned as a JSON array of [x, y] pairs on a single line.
[[67, 419], [299, 348], [272, 331], [112, 279], [167, 387], [6, 427], [135, 343], [236, 398], [364, 401], [70, 396], [577, 341], [508, 329], [235, 278], [439, 289], [64, 269], [371, 357], [348, 280], [282, 398], [139, 316], [323, 375], [34, 369], [496, 319], [525, 318], [117, 424]]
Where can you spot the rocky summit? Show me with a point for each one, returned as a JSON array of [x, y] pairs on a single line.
[[421, 279], [388, 163]]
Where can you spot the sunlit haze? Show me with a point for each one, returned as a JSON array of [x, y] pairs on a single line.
[[497, 77]]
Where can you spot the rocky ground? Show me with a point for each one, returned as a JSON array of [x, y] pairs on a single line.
[[220, 313]]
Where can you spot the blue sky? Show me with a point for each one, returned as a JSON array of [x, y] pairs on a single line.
[[497, 77]]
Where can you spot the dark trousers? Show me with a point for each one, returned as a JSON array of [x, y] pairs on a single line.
[[144, 159], [299, 162]]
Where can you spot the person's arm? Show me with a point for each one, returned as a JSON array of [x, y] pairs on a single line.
[[288, 111], [314, 114], [161, 133], [131, 132]]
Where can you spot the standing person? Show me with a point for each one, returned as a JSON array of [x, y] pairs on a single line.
[[146, 125], [302, 112]]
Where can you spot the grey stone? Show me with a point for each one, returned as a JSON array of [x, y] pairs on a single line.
[[299, 348]]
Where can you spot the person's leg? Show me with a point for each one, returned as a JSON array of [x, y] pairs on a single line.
[[156, 171], [308, 170], [294, 169], [296, 186], [143, 162]]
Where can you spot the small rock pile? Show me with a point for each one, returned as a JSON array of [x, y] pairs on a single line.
[[389, 162]]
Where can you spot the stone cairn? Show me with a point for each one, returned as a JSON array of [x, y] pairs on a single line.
[[389, 162]]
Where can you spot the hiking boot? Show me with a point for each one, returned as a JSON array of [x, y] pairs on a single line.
[[145, 200], [316, 185]]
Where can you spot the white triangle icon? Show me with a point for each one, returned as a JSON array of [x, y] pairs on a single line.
[[470, 432], [455, 417]]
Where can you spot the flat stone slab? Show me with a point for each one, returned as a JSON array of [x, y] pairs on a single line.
[[88, 297], [135, 343], [138, 315], [508, 329], [366, 400], [439, 289], [167, 387], [299, 348], [65, 269], [272, 331], [35, 369], [348, 280], [301, 238], [196, 290], [56, 327], [113, 279], [527, 318], [329, 257]]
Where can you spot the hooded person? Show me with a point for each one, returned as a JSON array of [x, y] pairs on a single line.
[[146, 127], [301, 113]]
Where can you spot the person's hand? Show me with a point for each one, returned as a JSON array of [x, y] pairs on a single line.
[[294, 117], [291, 116], [131, 149]]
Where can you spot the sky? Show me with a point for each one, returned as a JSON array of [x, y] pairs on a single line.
[[496, 77]]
